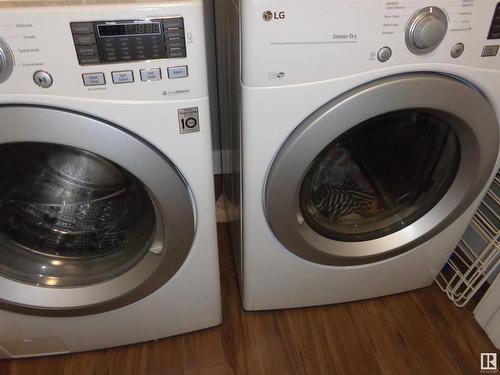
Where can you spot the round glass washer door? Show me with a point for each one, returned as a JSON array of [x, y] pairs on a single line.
[[92, 218], [381, 169], [69, 217]]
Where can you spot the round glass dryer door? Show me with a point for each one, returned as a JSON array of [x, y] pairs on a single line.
[[381, 169], [92, 218], [380, 176]]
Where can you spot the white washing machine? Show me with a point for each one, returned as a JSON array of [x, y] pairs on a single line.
[[108, 233], [365, 132]]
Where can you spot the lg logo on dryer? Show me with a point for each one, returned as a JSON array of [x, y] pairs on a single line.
[[269, 15]]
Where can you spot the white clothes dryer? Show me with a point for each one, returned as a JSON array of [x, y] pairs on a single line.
[[361, 135]]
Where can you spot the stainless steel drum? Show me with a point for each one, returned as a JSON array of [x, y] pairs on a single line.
[[68, 204]]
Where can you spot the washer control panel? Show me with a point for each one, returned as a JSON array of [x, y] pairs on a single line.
[[106, 42], [123, 51]]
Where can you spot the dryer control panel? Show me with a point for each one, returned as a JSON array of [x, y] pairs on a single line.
[[296, 42]]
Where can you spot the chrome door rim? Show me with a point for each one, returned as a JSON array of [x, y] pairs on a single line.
[[474, 122], [175, 210]]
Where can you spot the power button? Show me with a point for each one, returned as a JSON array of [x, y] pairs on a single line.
[[457, 50], [384, 54], [42, 79]]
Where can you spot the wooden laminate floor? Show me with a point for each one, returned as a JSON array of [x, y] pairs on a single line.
[[419, 332]]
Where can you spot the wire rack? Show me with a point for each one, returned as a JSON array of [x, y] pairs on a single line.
[[477, 257]]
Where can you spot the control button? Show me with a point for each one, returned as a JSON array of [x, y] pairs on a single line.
[[124, 76], [93, 79], [457, 50], [82, 27], [173, 23], [179, 43], [84, 39], [177, 72], [174, 34], [384, 54], [176, 52], [429, 32], [86, 50], [151, 74], [42, 79], [88, 60], [6, 61], [426, 30], [489, 51]]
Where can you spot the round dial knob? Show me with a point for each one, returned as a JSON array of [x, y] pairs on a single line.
[[426, 30], [6, 61]]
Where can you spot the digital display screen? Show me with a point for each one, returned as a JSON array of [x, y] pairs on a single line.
[[129, 29]]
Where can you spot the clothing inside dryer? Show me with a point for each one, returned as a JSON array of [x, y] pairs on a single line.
[[69, 217], [380, 176]]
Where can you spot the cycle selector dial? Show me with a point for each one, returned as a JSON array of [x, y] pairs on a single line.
[[426, 30], [6, 61]]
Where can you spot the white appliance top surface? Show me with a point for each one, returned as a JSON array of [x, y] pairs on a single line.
[[38, 3]]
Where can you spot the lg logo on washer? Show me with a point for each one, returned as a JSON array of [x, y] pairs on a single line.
[[269, 15]]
